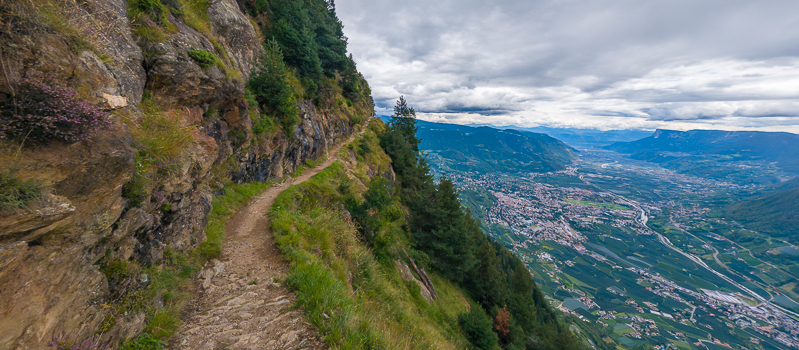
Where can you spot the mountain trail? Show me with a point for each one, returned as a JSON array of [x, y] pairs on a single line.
[[237, 304]]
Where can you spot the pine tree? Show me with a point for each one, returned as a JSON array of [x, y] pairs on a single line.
[[270, 81]]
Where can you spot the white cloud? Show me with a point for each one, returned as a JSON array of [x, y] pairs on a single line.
[[602, 64]]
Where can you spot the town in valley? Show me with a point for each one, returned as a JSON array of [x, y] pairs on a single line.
[[638, 252]]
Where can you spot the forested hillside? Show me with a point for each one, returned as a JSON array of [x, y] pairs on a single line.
[[485, 149], [447, 238], [773, 146], [306, 58], [352, 232], [776, 214]]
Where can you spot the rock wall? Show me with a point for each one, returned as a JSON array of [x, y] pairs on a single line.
[[50, 280]]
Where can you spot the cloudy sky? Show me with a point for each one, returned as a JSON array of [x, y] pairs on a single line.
[[639, 64]]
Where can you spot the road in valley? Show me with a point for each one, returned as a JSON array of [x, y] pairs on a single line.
[[643, 219]]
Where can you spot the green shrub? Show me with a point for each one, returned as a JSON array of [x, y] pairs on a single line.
[[148, 5], [153, 34], [165, 322], [161, 134], [139, 185], [478, 329], [143, 342], [195, 15], [264, 125], [149, 20], [160, 139], [14, 193], [108, 323], [152, 9], [204, 58], [118, 270]]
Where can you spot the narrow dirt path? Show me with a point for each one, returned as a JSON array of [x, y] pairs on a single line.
[[237, 304]]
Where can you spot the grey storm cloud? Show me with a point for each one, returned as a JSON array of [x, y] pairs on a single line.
[[588, 63]]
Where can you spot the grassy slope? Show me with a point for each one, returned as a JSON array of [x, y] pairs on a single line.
[[356, 299]]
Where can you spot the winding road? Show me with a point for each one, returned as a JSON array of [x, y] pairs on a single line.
[[643, 219]]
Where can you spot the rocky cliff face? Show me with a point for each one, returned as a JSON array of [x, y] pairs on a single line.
[[51, 252]]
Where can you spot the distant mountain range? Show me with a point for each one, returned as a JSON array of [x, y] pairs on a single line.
[[486, 149], [578, 138], [739, 156], [780, 147], [588, 138]]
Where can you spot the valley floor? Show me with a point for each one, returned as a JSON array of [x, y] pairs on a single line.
[[635, 254]]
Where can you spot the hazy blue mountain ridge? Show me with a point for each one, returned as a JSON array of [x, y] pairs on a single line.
[[588, 138], [780, 147], [744, 157]]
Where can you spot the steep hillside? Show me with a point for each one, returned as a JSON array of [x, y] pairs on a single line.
[[776, 214], [348, 267], [448, 240], [123, 122], [374, 269], [484, 149], [728, 155]]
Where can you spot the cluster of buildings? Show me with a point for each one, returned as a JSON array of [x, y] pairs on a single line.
[[648, 328], [543, 212], [687, 183], [692, 212], [676, 335], [763, 318], [635, 305], [606, 315], [641, 326]]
